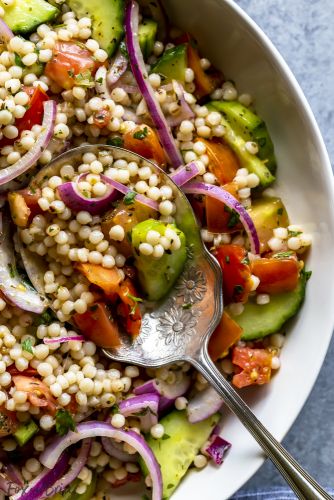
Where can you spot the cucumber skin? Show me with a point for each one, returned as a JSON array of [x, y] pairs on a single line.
[[258, 321], [185, 436], [13, 16], [172, 64], [147, 34], [25, 432]]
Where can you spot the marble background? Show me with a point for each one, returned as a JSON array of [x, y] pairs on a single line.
[[303, 32]]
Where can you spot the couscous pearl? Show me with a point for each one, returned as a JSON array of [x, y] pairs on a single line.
[[275, 244], [117, 233], [252, 147], [294, 243], [275, 363], [281, 232], [189, 75], [153, 237], [157, 431], [154, 80], [262, 299], [277, 340], [158, 251], [166, 207], [61, 131], [146, 249], [118, 420], [204, 131], [253, 180], [108, 261], [200, 461], [96, 237], [181, 403], [209, 178], [46, 422], [141, 186], [236, 308], [244, 193]]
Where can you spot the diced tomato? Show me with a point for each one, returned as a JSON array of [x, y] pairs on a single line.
[[129, 309], [38, 393], [223, 162], [219, 217], [98, 325], [29, 372], [8, 422], [205, 82], [102, 117], [33, 115], [107, 279], [72, 406], [255, 365], [24, 206], [227, 333], [276, 275], [70, 64], [198, 205], [237, 281], [144, 141]]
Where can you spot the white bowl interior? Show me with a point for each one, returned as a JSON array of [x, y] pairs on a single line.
[[236, 46]]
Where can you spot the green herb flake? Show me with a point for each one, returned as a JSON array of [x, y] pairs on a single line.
[[141, 134], [12, 270], [283, 255], [165, 436], [169, 486], [129, 197], [115, 409], [227, 259], [135, 300], [115, 141], [71, 73], [46, 318], [280, 211], [123, 49], [18, 60], [293, 234], [64, 422], [245, 261], [307, 274], [27, 345], [234, 217]]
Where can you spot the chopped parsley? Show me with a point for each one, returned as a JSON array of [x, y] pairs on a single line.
[[292, 234], [307, 274], [84, 79], [165, 436], [123, 49], [129, 197], [141, 134], [135, 300], [283, 255], [227, 259], [12, 270], [245, 261], [18, 60], [115, 141], [115, 409], [280, 211], [234, 217], [99, 80], [64, 422], [27, 345], [46, 318], [71, 73]]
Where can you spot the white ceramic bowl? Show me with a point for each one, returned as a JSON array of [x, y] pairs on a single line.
[[237, 46]]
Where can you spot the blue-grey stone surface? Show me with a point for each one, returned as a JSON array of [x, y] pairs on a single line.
[[303, 32]]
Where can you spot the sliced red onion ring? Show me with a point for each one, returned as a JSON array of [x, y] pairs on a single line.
[[31, 157], [13, 287], [74, 470], [140, 73], [203, 405], [144, 406], [5, 32], [185, 173], [220, 194], [168, 392], [76, 201], [186, 113], [34, 265], [95, 428], [101, 83], [43, 483], [60, 340], [122, 188], [13, 474], [217, 448], [114, 450], [117, 69]]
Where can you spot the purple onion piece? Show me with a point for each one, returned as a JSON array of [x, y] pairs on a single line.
[[220, 194], [5, 32], [217, 449], [203, 405], [44, 481], [140, 73], [185, 173], [114, 450], [117, 68], [76, 201], [31, 157], [186, 113], [95, 428], [144, 406], [13, 474], [167, 392], [61, 340], [122, 188]]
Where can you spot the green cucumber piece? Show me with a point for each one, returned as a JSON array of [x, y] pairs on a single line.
[[252, 162], [108, 19], [25, 432], [267, 214], [258, 321], [250, 127], [157, 276], [147, 33], [172, 64], [176, 451], [24, 16]]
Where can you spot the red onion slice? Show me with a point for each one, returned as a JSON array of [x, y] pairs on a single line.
[[203, 405], [185, 173], [220, 194], [117, 69], [217, 448], [76, 201], [140, 73], [14, 288], [167, 392], [122, 188], [43, 482], [186, 113], [5, 32], [95, 428], [13, 474], [30, 158], [114, 450], [144, 406], [74, 470], [60, 340]]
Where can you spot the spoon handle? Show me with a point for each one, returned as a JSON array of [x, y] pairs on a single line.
[[304, 486]]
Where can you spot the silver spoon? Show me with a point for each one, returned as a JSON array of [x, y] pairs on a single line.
[[179, 327]]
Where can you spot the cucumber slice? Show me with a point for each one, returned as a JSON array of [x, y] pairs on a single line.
[[267, 214], [258, 321], [172, 64], [176, 451], [108, 18], [147, 33], [25, 432], [157, 276], [250, 127], [24, 16], [251, 162]]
